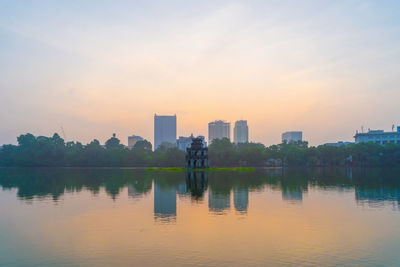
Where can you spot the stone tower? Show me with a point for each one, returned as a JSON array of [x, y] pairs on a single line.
[[197, 155]]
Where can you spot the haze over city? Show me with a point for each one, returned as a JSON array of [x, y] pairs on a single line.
[[102, 67]]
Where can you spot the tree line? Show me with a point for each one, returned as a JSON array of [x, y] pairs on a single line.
[[224, 153], [42, 151]]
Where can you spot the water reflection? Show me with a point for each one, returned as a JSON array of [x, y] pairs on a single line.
[[196, 184], [372, 187], [241, 199]]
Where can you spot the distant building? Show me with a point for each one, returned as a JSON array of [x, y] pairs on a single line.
[[132, 140], [292, 137], [185, 142], [164, 130], [241, 132], [218, 129], [339, 144], [378, 137]]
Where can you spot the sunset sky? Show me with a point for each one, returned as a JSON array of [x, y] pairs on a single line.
[[102, 67]]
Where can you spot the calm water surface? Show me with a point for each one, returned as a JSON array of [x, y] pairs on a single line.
[[120, 217]]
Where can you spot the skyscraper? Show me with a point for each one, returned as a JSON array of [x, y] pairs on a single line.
[[164, 130], [218, 130], [241, 132]]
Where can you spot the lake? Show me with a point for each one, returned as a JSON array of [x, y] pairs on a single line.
[[269, 217]]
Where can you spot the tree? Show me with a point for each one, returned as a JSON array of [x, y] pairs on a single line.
[[113, 142], [251, 154], [26, 140], [222, 153], [143, 145]]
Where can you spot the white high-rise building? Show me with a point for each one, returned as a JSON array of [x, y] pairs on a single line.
[[292, 137], [241, 132], [218, 130], [164, 130]]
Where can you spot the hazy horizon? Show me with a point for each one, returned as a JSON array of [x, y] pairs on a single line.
[[101, 67]]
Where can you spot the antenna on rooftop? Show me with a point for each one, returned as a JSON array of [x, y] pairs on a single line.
[[62, 130]]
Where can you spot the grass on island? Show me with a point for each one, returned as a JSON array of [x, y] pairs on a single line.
[[177, 169]]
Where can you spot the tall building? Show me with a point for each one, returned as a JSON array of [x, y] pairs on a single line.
[[218, 130], [241, 132], [378, 137], [292, 137], [132, 140], [164, 130]]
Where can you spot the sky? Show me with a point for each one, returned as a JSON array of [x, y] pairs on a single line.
[[98, 67]]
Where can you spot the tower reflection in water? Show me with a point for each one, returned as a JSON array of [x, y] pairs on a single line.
[[196, 183]]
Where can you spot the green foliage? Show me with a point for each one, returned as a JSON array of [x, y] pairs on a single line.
[[166, 156], [113, 142], [143, 145], [54, 152], [222, 153]]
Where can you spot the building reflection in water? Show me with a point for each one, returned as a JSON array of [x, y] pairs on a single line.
[[132, 192], [293, 183], [377, 198], [375, 187], [196, 184], [292, 195], [164, 203], [219, 201], [241, 199]]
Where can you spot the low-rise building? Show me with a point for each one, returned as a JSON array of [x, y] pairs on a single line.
[[378, 137], [339, 144]]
